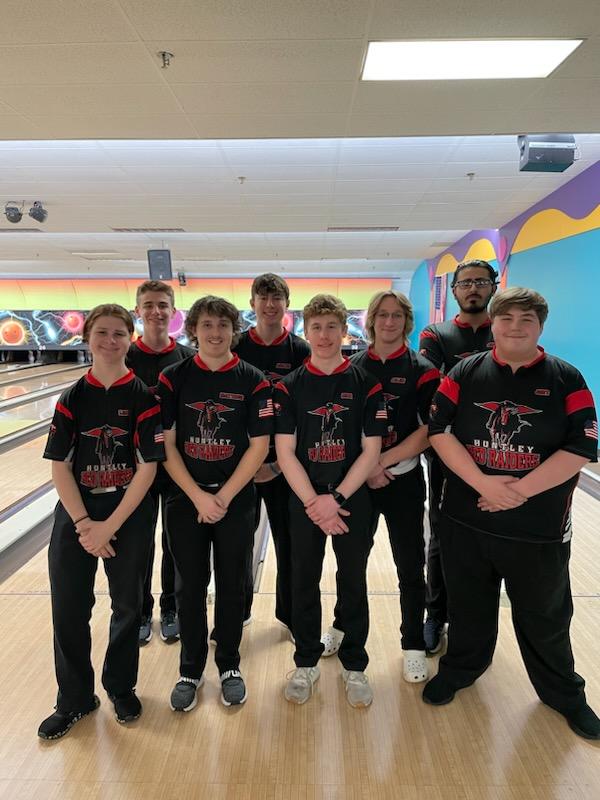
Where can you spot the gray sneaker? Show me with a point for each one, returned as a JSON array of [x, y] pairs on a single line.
[[169, 627], [145, 633], [358, 692], [184, 696], [233, 688], [300, 685]]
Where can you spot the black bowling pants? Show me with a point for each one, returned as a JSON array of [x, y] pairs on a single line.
[[351, 552], [537, 582], [190, 543], [72, 573]]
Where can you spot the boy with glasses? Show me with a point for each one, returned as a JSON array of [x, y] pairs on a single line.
[[445, 344]]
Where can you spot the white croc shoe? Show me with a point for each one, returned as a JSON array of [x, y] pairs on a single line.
[[331, 640], [415, 668]]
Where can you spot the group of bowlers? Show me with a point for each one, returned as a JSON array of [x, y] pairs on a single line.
[[330, 444]]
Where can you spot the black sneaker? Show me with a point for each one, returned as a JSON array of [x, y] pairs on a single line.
[[169, 627], [584, 722], [184, 696], [433, 633], [127, 707], [233, 688], [59, 723], [438, 692], [145, 633]]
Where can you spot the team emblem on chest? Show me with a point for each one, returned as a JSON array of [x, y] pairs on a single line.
[[206, 446], [107, 474], [505, 421], [329, 448]]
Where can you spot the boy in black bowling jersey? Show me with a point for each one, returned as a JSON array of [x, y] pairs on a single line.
[[330, 417], [104, 438], [218, 416], [513, 427]]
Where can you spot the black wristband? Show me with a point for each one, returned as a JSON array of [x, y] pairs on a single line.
[[77, 521], [338, 497]]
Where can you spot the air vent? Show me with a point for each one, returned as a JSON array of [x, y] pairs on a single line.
[[21, 230], [148, 230], [364, 228], [441, 244]]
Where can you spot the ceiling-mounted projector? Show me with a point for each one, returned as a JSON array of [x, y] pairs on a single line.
[[546, 152]]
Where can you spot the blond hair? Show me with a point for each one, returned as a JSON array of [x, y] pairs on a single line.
[[403, 302], [322, 304]]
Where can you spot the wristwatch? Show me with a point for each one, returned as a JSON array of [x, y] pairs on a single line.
[[338, 497]]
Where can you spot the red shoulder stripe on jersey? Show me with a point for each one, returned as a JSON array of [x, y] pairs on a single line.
[[377, 388], [428, 335], [283, 387], [166, 381], [450, 389], [576, 401], [430, 375], [149, 413], [64, 410], [261, 385]]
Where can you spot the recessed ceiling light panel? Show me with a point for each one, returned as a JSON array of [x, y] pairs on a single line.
[[465, 59]]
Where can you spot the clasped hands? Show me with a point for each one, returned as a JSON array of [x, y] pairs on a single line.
[[95, 537], [323, 510], [500, 493], [211, 508]]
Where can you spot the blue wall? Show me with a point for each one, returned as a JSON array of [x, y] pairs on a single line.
[[567, 274], [419, 297]]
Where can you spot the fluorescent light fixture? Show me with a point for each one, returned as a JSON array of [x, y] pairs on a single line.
[[465, 59]]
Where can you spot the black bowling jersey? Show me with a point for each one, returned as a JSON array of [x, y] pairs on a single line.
[[447, 343], [215, 414], [148, 364], [409, 382], [275, 360], [328, 414], [510, 424], [104, 433]]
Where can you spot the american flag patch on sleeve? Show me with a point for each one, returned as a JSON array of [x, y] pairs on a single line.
[[159, 436], [381, 412], [265, 408], [590, 429]]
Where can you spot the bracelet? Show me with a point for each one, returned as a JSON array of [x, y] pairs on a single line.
[[77, 521]]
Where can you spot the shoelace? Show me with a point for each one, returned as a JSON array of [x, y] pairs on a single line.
[[231, 673], [194, 681], [356, 677]]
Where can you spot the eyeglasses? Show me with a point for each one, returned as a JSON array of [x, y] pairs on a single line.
[[480, 283]]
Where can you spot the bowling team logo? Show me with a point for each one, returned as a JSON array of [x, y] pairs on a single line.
[[206, 446], [329, 448], [504, 423], [107, 474]]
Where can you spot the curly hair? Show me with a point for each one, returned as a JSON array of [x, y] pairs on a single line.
[[322, 304], [214, 307]]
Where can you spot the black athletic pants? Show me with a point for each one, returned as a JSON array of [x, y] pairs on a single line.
[[351, 552], [402, 503], [190, 543], [72, 573], [167, 567], [537, 582], [436, 599]]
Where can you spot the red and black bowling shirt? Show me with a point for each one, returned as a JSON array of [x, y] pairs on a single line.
[[510, 423], [409, 382], [215, 414], [275, 360], [148, 364], [447, 343], [329, 414], [104, 433]]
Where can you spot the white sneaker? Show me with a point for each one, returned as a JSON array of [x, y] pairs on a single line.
[[247, 621], [415, 668], [332, 640], [358, 692], [300, 685]]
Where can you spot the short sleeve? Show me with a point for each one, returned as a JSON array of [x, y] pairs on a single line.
[[165, 392], [61, 436], [148, 437], [445, 402], [285, 417], [260, 416], [582, 421], [375, 415], [427, 383], [429, 347]]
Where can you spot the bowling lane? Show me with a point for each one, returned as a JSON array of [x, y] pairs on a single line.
[[12, 374], [27, 414], [30, 384], [26, 471]]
